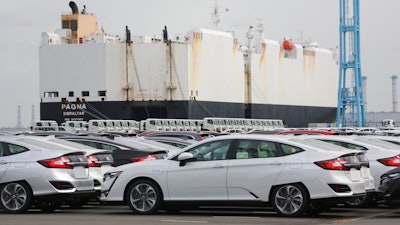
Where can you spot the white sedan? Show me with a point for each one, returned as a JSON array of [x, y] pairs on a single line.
[[239, 170], [383, 156], [40, 173]]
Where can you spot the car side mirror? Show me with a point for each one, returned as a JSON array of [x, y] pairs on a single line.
[[185, 157]]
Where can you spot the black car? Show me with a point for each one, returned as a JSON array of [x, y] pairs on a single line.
[[389, 187], [122, 152]]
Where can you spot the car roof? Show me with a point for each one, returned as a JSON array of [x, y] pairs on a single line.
[[180, 134], [38, 143], [290, 140], [361, 140]]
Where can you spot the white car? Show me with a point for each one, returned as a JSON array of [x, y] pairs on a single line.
[[99, 161], [383, 156], [390, 139], [40, 173], [239, 169]]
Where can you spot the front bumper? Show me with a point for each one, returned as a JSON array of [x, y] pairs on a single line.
[[389, 188]]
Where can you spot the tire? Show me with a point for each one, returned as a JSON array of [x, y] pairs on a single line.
[[16, 197], [144, 197], [290, 200]]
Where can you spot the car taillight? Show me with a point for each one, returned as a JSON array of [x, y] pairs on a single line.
[[391, 161], [333, 164], [93, 161], [62, 162], [144, 158]]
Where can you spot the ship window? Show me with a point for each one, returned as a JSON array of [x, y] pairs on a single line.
[[85, 93], [51, 94], [65, 24], [71, 94], [74, 25], [102, 93]]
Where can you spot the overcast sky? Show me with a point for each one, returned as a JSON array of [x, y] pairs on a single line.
[[22, 22]]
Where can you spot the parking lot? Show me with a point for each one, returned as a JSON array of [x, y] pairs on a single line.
[[122, 215]]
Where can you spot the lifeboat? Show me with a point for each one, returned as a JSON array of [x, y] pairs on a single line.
[[288, 45]]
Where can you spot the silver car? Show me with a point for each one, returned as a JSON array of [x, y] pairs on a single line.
[[41, 174], [99, 162]]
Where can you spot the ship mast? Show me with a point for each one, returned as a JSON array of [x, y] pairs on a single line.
[[216, 18]]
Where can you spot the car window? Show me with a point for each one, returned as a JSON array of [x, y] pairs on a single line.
[[216, 150], [87, 143], [97, 145], [15, 149], [108, 147], [290, 149], [256, 149], [1, 150]]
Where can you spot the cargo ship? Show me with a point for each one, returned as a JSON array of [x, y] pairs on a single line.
[[86, 74]]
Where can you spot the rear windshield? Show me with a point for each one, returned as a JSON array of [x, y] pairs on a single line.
[[319, 144], [44, 144], [379, 143], [71, 144]]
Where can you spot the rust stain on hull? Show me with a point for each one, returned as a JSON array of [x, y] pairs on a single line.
[[194, 60]]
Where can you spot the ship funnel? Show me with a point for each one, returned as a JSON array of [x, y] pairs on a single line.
[[74, 7], [128, 35], [165, 34]]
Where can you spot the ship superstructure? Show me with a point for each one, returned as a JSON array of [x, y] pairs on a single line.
[[88, 74]]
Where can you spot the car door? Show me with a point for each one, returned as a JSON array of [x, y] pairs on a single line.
[[4, 160], [256, 166], [204, 178]]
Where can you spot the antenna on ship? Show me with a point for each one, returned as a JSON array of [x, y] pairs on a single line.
[[216, 19]]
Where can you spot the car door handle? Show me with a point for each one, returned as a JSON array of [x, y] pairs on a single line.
[[218, 166], [276, 163]]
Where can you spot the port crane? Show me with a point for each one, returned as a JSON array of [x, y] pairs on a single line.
[[350, 91]]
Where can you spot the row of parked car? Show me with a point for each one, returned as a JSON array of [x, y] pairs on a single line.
[[296, 175]]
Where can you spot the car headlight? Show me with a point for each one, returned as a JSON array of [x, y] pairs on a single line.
[[111, 175]]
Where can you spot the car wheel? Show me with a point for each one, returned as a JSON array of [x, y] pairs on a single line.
[[290, 200], [144, 197], [16, 197]]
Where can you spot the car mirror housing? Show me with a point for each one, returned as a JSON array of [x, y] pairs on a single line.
[[185, 157]]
